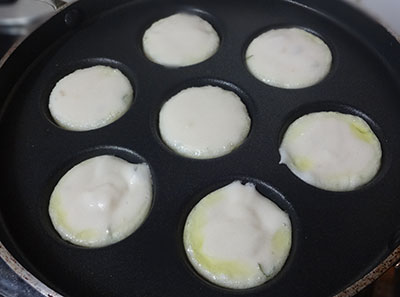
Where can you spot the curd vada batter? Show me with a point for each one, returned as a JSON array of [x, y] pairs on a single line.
[[101, 201], [331, 150], [180, 40], [288, 58], [90, 98], [204, 122], [237, 238]]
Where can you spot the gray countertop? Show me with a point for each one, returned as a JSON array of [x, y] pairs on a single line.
[[386, 12], [12, 285]]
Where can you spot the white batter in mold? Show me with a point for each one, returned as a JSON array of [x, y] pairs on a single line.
[[90, 98], [288, 58], [101, 201], [331, 150], [237, 238], [180, 40], [204, 122]]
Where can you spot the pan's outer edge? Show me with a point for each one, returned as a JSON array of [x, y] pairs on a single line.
[[5, 255], [25, 274], [20, 40], [373, 275], [353, 289]]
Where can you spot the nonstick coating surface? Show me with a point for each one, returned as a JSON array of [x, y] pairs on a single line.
[[337, 237]]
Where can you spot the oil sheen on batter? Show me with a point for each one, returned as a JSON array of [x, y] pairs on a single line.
[[237, 238], [101, 201], [331, 150]]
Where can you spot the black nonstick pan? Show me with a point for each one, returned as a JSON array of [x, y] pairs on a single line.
[[339, 238]]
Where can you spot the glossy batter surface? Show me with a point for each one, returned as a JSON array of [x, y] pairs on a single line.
[[204, 122], [331, 150], [180, 40], [237, 238], [288, 58], [101, 201], [90, 98]]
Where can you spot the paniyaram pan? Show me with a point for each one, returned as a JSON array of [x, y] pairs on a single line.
[[338, 237]]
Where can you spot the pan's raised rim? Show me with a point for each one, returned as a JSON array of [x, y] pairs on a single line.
[[25, 274], [5, 255], [373, 275], [352, 290]]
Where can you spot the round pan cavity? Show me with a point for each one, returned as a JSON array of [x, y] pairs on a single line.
[[150, 261], [112, 200], [289, 58], [180, 40], [204, 122], [268, 191], [179, 10], [69, 69], [325, 112]]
